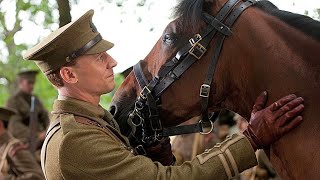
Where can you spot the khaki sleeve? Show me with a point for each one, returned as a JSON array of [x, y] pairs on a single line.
[[93, 154], [23, 165], [18, 129]]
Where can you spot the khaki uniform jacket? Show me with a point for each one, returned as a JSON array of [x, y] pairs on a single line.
[[18, 162], [84, 150], [19, 124]]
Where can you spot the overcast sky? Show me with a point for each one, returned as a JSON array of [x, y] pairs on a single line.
[[134, 30]]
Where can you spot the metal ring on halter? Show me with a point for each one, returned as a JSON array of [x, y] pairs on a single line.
[[211, 129], [132, 115], [137, 106], [158, 136]]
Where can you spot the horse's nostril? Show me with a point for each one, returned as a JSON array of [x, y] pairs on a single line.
[[113, 109]]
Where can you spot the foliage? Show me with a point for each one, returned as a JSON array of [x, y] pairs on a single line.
[[11, 61]]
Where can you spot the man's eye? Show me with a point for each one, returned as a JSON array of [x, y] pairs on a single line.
[[100, 58], [169, 38]]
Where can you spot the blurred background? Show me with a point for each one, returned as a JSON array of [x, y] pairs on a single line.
[[134, 26]]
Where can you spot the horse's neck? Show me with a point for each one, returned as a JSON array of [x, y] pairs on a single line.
[[274, 57]]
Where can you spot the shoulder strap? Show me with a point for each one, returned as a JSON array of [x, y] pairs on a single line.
[[6, 150], [53, 128]]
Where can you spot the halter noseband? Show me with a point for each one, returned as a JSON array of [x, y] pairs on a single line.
[[146, 114]]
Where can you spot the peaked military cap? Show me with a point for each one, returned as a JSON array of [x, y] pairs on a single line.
[[62, 46], [28, 74], [6, 113]]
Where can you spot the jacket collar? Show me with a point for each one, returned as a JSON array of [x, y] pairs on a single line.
[[77, 107]]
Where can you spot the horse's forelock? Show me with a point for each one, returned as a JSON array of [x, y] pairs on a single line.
[[189, 12]]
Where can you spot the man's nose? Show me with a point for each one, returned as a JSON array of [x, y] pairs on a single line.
[[114, 63]]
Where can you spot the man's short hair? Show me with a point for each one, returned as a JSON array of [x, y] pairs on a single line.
[[55, 77]]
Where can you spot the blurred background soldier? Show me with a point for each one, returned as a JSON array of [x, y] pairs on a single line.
[[31, 121], [16, 160], [225, 125]]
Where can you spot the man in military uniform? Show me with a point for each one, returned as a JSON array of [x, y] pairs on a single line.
[[21, 102], [16, 160], [84, 141]]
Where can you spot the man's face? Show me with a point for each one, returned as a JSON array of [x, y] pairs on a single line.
[[95, 73], [26, 85]]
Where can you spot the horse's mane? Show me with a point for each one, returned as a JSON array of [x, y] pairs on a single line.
[[189, 12]]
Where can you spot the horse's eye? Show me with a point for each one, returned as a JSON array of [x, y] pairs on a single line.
[[169, 39]]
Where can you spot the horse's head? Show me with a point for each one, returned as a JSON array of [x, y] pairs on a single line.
[[269, 49], [181, 100]]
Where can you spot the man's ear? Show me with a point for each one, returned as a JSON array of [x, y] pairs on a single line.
[[68, 75]]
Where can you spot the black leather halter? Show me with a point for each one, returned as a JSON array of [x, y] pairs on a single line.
[[146, 114]]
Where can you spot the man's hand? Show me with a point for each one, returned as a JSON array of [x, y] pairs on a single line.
[[162, 152], [267, 125]]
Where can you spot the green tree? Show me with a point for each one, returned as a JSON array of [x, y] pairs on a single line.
[[12, 16], [64, 12]]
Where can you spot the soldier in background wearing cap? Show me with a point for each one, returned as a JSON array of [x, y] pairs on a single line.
[[16, 160], [21, 102], [84, 141]]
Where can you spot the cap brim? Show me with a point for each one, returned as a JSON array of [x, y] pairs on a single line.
[[28, 72], [100, 47]]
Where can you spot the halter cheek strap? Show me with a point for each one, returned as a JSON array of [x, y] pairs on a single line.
[[146, 108]]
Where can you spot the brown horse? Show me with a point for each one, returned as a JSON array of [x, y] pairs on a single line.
[[269, 50]]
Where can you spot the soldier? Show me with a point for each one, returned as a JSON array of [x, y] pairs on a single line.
[[21, 102], [16, 160], [84, 141]]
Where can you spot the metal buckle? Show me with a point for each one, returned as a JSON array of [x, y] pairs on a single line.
[[204, 90], [132, 116], [144, 97], [208, 132], [198, 38], [197, 49], [140, 150]]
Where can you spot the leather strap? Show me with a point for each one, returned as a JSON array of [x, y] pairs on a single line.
[[207, 83], [84, 49], [183, 129], [211, 69], [186, 62], [138, 73], [53, 128], [6, 151], [181, 62]]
